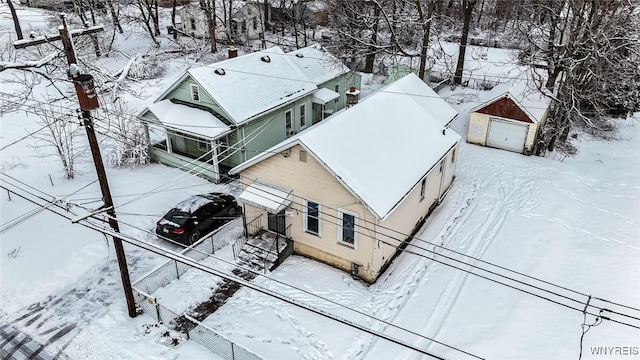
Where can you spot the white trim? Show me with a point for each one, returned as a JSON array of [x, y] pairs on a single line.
[[340, 227], [302, 115], [305, 217]]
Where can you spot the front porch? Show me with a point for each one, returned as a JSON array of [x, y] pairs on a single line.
[[263, 248], [205, 167]]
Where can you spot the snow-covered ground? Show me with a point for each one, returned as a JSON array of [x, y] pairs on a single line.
[[573, 223]]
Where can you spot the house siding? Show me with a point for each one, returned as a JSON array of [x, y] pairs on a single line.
[[183, 92], [479, 125], [411, 212], [310, 180], [376, 240]]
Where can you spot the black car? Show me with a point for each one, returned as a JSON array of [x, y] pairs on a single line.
[[197, 216]]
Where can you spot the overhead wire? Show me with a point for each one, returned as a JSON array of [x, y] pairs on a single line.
[[183, 259], [459, 253]]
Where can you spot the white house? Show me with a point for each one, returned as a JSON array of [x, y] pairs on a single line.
[[236, 22], [351, 190]]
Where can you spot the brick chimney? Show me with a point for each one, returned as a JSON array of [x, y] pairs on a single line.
[[353, 95], [232, 51]]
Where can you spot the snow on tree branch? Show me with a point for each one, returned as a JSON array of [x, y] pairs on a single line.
[[28, 64]]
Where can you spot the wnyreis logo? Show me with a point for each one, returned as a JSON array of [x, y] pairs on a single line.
[[615, 350]]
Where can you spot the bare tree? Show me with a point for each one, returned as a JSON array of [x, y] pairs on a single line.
[[62, 129], [209, 10], [467, 15], [125, 143], [149, 15], [591, 51], [14, 16]]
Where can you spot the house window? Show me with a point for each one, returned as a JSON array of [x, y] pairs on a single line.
[[441, 166], [234, 27], [195, 93], [193, 23], [302, 116], [453, 155], [337, 90], [288, 125], [255, 24], [204, 145], [312, 217], [347, 229], [303, 156], [423, 187]]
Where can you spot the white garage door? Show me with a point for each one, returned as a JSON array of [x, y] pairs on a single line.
[[507, 135]]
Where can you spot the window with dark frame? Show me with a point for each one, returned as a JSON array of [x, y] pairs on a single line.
[[288, 125], [312, 217], [337, 89], [195, 93], [204, 145], [348, 229], [423, 187], [193, 23]]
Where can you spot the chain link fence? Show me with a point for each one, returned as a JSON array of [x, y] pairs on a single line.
[[172, 270]]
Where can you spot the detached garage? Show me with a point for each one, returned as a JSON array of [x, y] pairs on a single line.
[[510, 118]]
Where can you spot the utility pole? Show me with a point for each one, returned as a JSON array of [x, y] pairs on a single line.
[[89, 101]]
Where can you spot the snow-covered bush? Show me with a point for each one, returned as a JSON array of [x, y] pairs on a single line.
[[147, 67], [124, 141]]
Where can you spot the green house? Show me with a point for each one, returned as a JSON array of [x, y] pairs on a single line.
[[220, 115]]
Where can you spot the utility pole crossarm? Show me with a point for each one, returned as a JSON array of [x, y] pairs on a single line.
[[43, 39]]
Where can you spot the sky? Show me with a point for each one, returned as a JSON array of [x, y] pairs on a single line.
[[570, 222]]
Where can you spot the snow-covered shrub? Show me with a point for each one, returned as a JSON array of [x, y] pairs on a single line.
[[147, 67], [125, 141]]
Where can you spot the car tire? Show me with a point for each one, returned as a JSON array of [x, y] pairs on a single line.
[[193, 237]]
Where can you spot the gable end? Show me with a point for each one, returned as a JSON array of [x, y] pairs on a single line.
[[505, 108]]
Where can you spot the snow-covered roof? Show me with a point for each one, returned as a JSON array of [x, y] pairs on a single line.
[[529, 99], [413, 87], [318, 65], [323, 96], [267, 196], [379, 149], [253, 83], [188, 119]]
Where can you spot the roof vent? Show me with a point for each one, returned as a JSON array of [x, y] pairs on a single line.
[[299, 55], [266, 59], [219, 71]]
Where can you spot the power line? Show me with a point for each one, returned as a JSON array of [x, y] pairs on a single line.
[[488, 271], [193, 264], [458, 253]]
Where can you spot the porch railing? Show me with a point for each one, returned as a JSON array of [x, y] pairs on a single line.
[[254, 226], [276, 252]]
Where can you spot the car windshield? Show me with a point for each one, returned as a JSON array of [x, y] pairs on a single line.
[[177, 216]]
